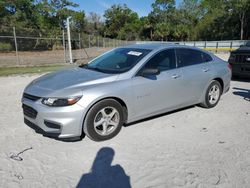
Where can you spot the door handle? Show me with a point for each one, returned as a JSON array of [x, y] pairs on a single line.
[[175, 76], [205, 70]]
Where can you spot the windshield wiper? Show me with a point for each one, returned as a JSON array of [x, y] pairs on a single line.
[[91, 68], [83, 65]]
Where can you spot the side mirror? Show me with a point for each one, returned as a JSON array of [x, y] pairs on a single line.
[[150, 71]]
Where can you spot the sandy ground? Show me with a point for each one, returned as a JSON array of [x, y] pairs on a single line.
[[194, 147], [223, 56]]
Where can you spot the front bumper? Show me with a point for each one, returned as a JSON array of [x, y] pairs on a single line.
[[58, 122]]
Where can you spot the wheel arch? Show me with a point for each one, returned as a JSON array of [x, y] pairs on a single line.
[[119, 100], [220, 80]]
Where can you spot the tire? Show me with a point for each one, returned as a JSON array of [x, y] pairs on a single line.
[[104, 120], [213, 94]]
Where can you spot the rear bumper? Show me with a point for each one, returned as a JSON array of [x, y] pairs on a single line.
[[56, 122], [241, 69]]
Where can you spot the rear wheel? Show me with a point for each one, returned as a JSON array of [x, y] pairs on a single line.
[[212, 95], [104, 120]]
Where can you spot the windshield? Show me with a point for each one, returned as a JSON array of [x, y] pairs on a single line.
[[117, 61]]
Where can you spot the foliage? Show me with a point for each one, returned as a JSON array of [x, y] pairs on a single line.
[[94, 24], [121, 22], [4, 46], [191, 20]]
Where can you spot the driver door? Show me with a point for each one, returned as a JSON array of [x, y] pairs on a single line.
[[155, 93]]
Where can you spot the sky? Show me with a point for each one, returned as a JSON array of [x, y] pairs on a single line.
[[142, 7]]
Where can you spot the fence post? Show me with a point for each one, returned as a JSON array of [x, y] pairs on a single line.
[[205, 45], [217, 43], [64, 50], [103, 42], [231, 46], [89, 41], [98, 41], [79, 36], [17, 55]]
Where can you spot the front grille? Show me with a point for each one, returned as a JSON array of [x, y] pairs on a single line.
[[30, 97], [242, 58], [28, 111]]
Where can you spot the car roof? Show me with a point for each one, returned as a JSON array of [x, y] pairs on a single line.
[[151, 46], [162, 45]]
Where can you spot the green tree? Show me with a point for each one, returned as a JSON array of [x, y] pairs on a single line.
[[161, 19], [119, 19], [223, 20], [94, 24], [17, 13], [239, 8]]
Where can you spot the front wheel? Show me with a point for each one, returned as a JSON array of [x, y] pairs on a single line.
[[104, 120], [212, 95]]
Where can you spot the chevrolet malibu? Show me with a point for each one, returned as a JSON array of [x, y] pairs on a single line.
[[122, 86]]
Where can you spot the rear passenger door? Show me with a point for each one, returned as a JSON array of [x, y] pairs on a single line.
[[196, 71]]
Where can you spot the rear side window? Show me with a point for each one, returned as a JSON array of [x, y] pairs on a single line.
[[186, 57], [206, 57], [164, 60]]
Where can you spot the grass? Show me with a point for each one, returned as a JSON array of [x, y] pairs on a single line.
[[6, 71]]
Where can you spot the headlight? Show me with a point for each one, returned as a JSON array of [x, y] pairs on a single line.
[[60, 101]]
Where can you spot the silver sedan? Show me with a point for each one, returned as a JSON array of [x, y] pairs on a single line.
[[122, 86]]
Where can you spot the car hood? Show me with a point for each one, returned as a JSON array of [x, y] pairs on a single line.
[[67, 82]]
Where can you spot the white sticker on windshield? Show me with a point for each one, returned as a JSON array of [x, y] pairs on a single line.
[[134, 53]]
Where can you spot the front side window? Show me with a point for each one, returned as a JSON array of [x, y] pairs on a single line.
[[164, 60], [186, 57], [117, 61]]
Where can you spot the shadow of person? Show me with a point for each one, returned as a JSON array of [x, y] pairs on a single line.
[[103, 174], [245, 93]]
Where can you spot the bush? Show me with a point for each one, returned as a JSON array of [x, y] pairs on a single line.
[[4, 46], [57, 45]]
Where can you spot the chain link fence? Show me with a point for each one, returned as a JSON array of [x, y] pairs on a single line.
[[22, 47], [32, 47], [214, 46]]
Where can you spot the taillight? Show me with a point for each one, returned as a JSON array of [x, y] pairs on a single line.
[[232, 58], [229, 66]]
